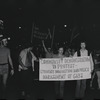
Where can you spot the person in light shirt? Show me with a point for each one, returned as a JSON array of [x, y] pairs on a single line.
[[81, 84], [26, 68]]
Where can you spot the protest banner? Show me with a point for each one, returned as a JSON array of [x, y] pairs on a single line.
[[53, 69], [40, 35]]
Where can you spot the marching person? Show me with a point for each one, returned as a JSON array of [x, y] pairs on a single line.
[[96, 58], [72, 52], [59, 85], [26, 67], [48, 51], [81, 84], [5, 61], [68, 52]]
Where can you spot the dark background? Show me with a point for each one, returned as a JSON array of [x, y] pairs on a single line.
[[83, 15], [80, 16]]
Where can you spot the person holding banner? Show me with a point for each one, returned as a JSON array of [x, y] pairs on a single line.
[[68, 52], [81, 84], [59, 85]]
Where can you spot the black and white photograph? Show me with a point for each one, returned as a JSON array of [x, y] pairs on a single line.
[[49, 49]]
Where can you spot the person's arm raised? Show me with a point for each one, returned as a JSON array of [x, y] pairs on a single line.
[[44, 46]]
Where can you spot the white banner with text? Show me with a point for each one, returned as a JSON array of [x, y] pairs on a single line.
[[75, 68]]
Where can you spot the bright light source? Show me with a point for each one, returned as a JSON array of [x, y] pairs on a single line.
[[19, 27], [8, 38], [65, 25]]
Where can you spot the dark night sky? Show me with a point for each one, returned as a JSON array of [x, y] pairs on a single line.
[[82, 14]]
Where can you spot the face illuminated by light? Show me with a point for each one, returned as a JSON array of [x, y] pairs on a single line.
[[60, 51], [5, 42], [83, 45]]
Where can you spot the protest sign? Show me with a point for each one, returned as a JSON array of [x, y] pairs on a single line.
[[53, 69], [40, 35]]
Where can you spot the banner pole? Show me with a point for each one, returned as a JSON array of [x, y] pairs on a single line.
[[53, 37], [32, 32]]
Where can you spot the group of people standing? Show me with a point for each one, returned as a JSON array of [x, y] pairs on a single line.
[[26, 61], [81, 84], [26, 67]]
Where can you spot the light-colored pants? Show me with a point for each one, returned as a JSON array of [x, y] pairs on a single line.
[[80, 88], [98, 78]]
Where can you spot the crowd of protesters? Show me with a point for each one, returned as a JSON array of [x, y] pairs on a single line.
[[26, 64]]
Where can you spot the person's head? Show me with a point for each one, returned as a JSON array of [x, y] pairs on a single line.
[[97, 52], [69, 50], [29, 46], [1, 24], [49, 49], [83, 45], [61, 50], [73, 50], [5, 42]]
